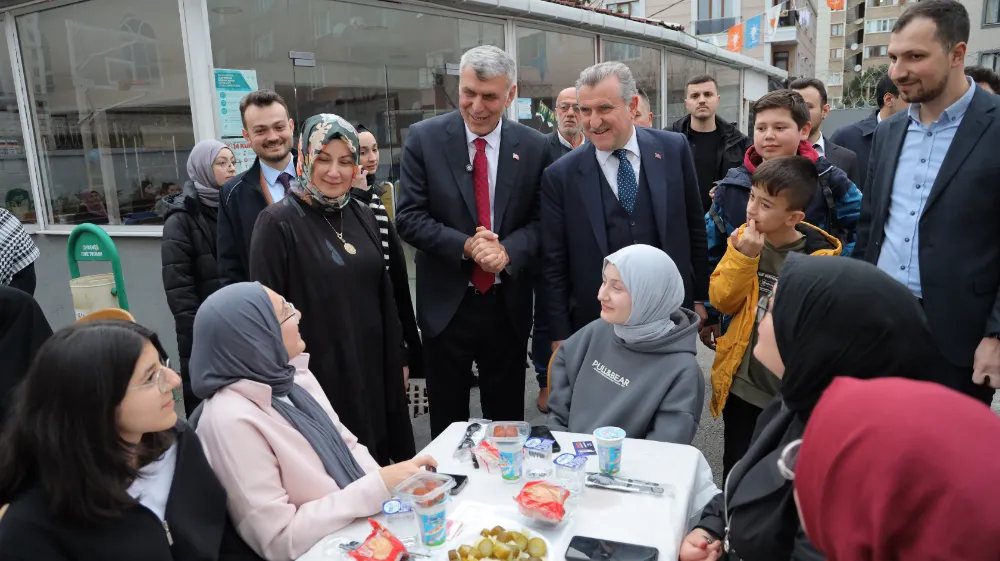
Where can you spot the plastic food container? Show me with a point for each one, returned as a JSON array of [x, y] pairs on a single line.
[[509, 439], [544, 502], [609, 449], [427, 494], [571, 472]]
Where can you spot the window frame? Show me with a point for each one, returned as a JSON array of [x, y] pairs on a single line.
[[837, 53], [834, 28], [986, 13], [995, 54]]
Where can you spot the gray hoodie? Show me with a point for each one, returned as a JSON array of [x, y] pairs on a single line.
[[654, 390]]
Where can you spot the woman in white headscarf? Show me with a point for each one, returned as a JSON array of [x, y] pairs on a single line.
[[636, 367]]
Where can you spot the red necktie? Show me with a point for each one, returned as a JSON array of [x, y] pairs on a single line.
[[482, 280]]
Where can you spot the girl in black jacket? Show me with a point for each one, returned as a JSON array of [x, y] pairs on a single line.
[[829, 317], [188, 251], [96, 466]]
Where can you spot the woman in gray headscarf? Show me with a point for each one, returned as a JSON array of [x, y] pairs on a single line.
[[636, 367], [188, 251], [292, 471]]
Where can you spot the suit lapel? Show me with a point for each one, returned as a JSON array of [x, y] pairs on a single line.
[[973, 126], [508, 171], [457, 153], [655, 170], [589, 187], [894, 143]]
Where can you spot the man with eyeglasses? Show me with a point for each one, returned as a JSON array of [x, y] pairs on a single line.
[[569, 132]]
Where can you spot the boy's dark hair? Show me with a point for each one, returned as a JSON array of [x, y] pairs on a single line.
[[702, 79], [983, 75], [361, 128], [803, 83], [785, 99], [950, 17], [792, 177], [885, 85], [260, 98]]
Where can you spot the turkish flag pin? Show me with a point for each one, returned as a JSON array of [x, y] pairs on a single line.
[[657, 156], [516, 157]]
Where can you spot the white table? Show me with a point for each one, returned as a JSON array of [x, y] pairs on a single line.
[[661, 522]]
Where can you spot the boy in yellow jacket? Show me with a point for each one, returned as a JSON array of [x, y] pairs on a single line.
[[742, 285]]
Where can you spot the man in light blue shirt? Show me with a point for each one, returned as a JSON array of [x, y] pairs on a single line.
[[931, 202]]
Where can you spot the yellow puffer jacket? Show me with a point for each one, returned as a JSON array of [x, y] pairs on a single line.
[[734, 292]]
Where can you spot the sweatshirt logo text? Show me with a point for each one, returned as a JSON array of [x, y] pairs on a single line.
[[611, 375]]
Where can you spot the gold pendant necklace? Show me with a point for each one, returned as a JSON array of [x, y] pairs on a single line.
[[348, 246]]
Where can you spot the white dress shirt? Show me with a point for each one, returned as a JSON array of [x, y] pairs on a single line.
[[276, 189], [820, 146], [493, 161], [609, 163], [568, 144]]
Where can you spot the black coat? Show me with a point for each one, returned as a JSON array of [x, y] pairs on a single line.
[[574, 230], [190, 271], [844, 159], [757, 499], [857, 138], [556, 148], [732, 149], [436, 213], [241, 200], [959, 242], [196, 517]]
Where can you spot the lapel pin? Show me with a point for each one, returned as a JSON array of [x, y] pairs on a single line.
[[468, 167], [657, 156], [516, 157]]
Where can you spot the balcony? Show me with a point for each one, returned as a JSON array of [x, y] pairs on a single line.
[[788, 28], [713, 26]]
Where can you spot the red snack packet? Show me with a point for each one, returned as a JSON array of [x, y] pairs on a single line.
[[381, 545], [488, 455], [542, 501]]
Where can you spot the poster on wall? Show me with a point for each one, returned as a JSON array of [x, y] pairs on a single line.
[[523, 108], [231, 86], [242, 151]]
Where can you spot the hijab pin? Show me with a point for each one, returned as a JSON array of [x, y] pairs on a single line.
[[516, 157], [657, 156]]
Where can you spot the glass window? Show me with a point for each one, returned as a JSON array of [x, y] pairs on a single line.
[[876, 51], [835, 79], [991, 15], [990, 60], [730, 96], [680, 69], [15, 189], [547, 63], [837, 30], [880, 25], [836, 54], [781, 60], [644, 62], [109, 89]]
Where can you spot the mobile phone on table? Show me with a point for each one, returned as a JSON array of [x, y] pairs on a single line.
[[542, 431], [592, 549], [460, 482]]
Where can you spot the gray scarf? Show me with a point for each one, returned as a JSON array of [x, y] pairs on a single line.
[[237, 337], [200, 169], [656, 287]]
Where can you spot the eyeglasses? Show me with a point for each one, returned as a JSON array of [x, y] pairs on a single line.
[[567, 107], [225, 164], [160, 379], [789, 456], [290, 309]]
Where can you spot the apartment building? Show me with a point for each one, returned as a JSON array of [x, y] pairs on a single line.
[[793, 48], [857, 41]]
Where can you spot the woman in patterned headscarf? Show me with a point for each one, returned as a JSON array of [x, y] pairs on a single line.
[[321, 250]]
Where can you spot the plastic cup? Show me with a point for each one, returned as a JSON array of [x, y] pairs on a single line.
[[571, 473], [427, 493], [609, 449], [509, 439]]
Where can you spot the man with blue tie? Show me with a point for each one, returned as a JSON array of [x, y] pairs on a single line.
[[626, 186], [930, 205]]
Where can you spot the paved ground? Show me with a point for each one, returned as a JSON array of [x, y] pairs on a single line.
[[708, 439]]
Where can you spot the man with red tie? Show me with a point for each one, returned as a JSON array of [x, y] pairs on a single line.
[[468, 202]]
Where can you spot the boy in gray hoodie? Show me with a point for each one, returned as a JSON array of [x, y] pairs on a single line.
[[635, 368]]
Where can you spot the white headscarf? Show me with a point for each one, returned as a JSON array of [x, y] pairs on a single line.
[[656, 287]]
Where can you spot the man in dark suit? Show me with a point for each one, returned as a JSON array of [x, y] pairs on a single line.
[[567, 137], [930, 207], [569, 131], [468, 203], [627, 185], [857, 137], [268, 129], [814, 92]]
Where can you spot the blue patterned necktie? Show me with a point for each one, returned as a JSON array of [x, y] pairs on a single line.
[[628, 186]]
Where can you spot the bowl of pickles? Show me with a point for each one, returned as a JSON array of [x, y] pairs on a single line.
[[501, 544]]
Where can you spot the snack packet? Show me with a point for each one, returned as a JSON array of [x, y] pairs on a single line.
[[380, 545], [543, 501], [488, 455]]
